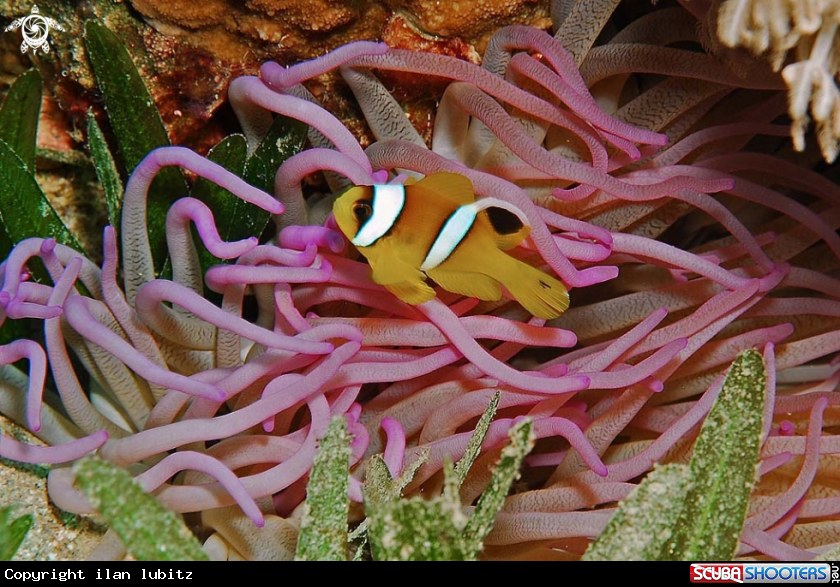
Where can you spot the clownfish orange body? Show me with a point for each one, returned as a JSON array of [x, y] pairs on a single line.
[[436, 227]]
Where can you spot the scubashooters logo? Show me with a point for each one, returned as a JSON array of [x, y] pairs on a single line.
[[763, 572], [35, 29]]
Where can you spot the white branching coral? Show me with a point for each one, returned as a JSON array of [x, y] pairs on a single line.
[[810, 29]]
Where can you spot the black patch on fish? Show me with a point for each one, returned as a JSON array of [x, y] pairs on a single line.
[[544, 285], [503, 221]]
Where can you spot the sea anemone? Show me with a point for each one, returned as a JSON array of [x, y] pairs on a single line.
[[683, 240], [809, 29]]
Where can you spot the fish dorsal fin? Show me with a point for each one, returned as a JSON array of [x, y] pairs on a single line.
[[508, 228], [453, 187], [508, 223]]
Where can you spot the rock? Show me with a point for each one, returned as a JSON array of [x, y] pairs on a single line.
[[291, 30], [188, 52]]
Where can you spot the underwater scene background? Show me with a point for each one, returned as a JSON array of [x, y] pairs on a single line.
[[177, 297]]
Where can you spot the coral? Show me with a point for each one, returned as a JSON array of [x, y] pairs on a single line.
[[292, 30], [809, 30], [230, 38], [187, 82], [190, 52], [681, 248]]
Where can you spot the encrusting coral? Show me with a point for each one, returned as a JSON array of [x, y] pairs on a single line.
[[276, 29], [808, 29], [681, 249]]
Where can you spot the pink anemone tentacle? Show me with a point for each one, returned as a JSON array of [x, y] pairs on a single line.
[[250, 93], [32, 351], [51, 455], [137, 259], [280, 78]]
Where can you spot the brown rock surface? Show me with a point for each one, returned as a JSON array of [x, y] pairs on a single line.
[[473, 20], [241, 35], [188, 52], [292, 30]]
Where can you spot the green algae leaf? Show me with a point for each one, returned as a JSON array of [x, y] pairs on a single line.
[[418, 529], [230, 153], [12, 532], [380, 487], [135, 120], [522, 440], [285, 138], [462, 467], [724, 467], [359, 553], [697, 511], [19, 129], [828, 556], [246, 219], [643, 526], [381, 490], [25, 211], [149, 531], [410, 470], [137, 125], [323, 527], [438, 529], [106, 170], [19, 116], [235, 218], [6, 243]]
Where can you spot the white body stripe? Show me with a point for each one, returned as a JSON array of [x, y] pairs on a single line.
[[388, 202], [453, 232]]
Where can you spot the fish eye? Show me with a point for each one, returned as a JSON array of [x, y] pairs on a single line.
[[362, 210]]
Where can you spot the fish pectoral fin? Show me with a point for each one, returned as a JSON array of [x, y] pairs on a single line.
[[404, 281], [413, 292], [391, 269], [474, 285]]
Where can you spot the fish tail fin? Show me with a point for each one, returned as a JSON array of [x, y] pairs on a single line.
[[542, 295]]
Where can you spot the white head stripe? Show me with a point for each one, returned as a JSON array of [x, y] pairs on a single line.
[[453, 232], [388, 202]]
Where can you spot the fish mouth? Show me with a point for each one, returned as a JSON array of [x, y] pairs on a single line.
[[342, 214]]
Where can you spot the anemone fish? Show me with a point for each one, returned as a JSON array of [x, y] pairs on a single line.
[[436, 228]]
